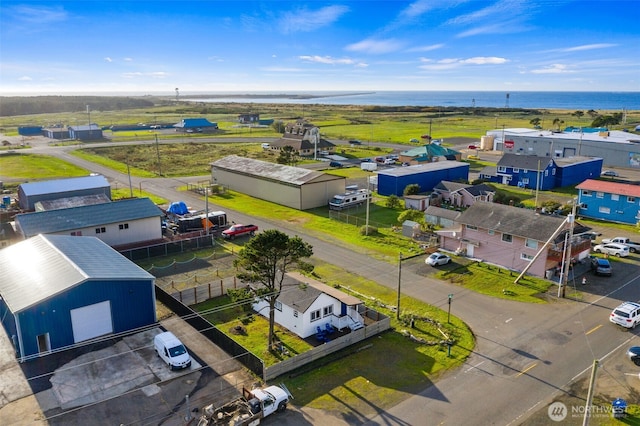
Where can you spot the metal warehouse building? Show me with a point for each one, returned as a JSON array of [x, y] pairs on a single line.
[[616, 148], [30, 193], [293, 187], [117, 223], [427, 176], [58, 290]]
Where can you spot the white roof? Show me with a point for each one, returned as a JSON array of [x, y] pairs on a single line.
[[44, 266]]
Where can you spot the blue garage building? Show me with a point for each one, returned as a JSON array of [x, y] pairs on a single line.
[[32, 192], [427, 176], [59, 290]]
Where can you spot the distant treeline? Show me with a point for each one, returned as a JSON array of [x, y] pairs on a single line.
[[23, 105]]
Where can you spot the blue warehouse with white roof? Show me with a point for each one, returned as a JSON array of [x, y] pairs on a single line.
[[427, 176], [57, 291]]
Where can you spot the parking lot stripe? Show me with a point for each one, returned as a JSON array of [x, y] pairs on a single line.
[[593, 329], [526, 369]]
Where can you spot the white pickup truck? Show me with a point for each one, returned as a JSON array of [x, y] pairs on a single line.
[[633, 246]]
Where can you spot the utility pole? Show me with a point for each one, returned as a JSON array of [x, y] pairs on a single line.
[[399, 280], [158, 154], [592, 383]]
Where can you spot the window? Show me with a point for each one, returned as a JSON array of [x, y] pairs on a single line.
[[553, 171], [278, 305], [507, 238], [491, 232], [584, 206], [615, 197], [123, 226], [631, 199], [77, 233], [605, 210], [295, 314], [471, 227], [502, 169], [546, 172], [525, 181], [516, 170], [525, 256], [586, 193], [101, 230], [315, 315], [525, 171], [327, 310], [599, 194], [532, 244]]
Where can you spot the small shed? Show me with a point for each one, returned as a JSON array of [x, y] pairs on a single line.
[[416, 202], [59, 290], [410, 229], [30, 193]]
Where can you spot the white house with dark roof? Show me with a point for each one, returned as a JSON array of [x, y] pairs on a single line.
[[289, 186], [58, 290], [510, 237], [304, 138], [117, 223], [306, 304]]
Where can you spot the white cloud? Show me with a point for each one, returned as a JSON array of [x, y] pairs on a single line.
[[25, 78], [38, 14], [501, 17], [108, 59], [127, 59], [426, 48], [304, 20], [157, 74], [450, 63], [280, 69], [327, 60], [375, 46], [586, 47], [552, 69]]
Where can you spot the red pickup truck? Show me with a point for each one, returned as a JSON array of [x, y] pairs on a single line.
[[239, 230]]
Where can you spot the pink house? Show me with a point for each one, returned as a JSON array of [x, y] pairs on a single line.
[[511, 237], [462, 194]]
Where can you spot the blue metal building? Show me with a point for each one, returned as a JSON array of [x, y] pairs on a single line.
[[427, 176], [58, 290], [30, 193]]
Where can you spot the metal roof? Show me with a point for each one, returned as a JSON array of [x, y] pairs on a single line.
[[51, 221], [277, 172], [610, 187], [44, 266], [422, 168], [529, 162], [510, 220], [299, 292], [65, 203], [64, 185]]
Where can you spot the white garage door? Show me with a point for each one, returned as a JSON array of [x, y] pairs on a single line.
[[91, 321]]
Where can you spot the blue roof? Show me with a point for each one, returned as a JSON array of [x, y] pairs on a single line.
[[41, 267], [64, 185], [195, 122], [52, 221]]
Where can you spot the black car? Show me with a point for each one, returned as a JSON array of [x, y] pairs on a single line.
[[354, 142], [633, 353], [335, 164], [600, 266]]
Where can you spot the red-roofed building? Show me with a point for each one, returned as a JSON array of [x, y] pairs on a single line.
[[611, 201]]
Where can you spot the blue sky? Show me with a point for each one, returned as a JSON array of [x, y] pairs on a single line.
[[108, 47]]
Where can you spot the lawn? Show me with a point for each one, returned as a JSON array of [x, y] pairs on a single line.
[[37, 167], [387, 368]]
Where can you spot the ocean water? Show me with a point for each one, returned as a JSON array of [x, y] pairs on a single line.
[[599, 101]]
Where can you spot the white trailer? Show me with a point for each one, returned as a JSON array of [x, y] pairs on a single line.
[[349, 199], [370, 167]]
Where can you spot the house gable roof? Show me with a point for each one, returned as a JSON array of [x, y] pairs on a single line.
[[610, 187], [270, 171], [44, 266], [448, 186], [529, 162], [59, 220], [442, 212], [570, 161], [189, 123], [510, 220], [299, 292], [480, 189]]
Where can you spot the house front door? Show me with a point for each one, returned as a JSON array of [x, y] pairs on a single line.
[[469, 250]]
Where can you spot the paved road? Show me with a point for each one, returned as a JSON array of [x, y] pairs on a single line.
[[524, 355]]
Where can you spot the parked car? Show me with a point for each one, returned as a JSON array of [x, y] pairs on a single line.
[[626, 314], [609, 173], [389, 161], [355, 142], [335, 164], [612, 249], [171, 350], [633, 353], [437, 258], [414, 140], [600, 266]]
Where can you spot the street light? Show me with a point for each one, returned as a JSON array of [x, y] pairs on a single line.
[[449, 312]]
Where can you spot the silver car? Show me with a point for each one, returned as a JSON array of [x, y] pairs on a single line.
[[436, 259], [612, 249]]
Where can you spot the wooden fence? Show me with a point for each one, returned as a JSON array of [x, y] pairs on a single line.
[[204, 292]]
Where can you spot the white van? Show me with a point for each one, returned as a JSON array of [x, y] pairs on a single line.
[[171, 350], [266, 146]]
